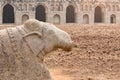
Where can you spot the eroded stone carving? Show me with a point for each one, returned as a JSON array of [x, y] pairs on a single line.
[[22, 50]]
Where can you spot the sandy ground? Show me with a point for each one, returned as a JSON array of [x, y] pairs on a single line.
[[97, 56]]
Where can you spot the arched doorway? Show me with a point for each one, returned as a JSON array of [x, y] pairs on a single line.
[[112, 18], [70, 14], [40, 13], [24, 18], [56, 19], [99, 16], [85, 19], [8, 14]]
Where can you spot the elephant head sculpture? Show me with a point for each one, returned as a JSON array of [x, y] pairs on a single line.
[[20, 45], [45, 37]]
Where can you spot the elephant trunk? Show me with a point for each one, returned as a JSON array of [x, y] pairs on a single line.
[[66, 46]]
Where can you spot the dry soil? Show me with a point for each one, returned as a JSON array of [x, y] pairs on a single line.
[[97, 56]]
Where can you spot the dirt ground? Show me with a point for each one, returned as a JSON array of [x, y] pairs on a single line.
[[97, 56]]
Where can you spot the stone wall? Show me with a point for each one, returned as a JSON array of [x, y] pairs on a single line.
[[60, 11]]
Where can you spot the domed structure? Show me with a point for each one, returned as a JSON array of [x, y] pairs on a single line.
[[60, 11]]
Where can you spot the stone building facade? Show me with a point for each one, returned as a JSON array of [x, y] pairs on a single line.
[[60, 11]]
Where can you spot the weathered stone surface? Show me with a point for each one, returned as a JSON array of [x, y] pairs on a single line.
[[60, 11], [22, 50]]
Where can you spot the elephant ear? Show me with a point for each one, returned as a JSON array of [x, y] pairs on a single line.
[[35, 42]]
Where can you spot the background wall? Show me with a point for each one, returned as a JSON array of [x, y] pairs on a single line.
[[60, 11]]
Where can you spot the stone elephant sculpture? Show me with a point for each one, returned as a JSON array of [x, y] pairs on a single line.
[[22, 50]]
